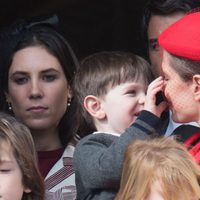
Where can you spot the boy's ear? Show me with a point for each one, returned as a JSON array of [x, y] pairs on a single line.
[[94, 107], [196, 82]]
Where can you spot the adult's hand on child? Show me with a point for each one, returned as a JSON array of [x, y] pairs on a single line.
[[150, 100]]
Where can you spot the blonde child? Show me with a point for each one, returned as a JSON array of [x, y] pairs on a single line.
[[159, 169], [19, 175]]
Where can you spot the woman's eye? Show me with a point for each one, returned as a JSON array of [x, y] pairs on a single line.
[[165, 78], [21, 81], [49, 78], [5, 170]]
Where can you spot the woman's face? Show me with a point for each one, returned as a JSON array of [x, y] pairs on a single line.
[[37, 88], [179, 94]]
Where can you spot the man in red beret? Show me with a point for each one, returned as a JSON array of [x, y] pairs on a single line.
[[181, 72]]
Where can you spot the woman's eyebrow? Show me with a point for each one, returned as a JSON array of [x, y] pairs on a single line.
[[49, 70], [19, 72]]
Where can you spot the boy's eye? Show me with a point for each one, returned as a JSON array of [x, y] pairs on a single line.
[[49, 77], [132, 92]]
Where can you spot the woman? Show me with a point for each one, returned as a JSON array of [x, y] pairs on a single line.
[[181, 71], [37, 68], [181, 67]]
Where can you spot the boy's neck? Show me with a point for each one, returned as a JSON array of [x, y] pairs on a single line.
[[103, 127]]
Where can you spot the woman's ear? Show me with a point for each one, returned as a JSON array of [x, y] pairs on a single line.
[[8, 101], [69, 92], [196, 82], [7, 96], [93, 106]]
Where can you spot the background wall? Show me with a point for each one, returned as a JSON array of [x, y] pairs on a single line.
[[89, 25]]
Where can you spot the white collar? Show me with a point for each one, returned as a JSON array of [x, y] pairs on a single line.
[[109, 133]]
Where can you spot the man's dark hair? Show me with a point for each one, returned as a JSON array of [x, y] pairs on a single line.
[[164, 8]]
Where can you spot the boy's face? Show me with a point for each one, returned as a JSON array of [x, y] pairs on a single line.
[[123, 104], [11, 186]]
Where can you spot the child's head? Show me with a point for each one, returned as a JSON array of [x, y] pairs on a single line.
[[161, 168], [19, 175], [100, 74]]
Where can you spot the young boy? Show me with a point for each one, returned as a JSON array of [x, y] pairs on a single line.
[[111, 88]]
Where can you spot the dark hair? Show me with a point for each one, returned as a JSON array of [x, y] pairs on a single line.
[[101, 71], [164, 8], [21, 35], [16, 135]]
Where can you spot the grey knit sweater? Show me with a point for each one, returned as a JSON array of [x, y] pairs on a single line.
[[98, 158]]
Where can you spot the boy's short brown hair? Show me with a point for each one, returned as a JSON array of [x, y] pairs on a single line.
[[100, 72]]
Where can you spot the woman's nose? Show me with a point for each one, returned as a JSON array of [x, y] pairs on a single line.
[[35, 89]]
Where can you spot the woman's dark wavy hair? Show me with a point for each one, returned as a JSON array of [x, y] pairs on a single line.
[[45, 33]]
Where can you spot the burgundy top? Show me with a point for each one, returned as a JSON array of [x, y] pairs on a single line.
[[47, 159]]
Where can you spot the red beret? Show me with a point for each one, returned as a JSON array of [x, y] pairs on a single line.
[[182, 38]]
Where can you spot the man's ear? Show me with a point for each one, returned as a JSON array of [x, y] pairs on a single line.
[[27, 190], [94, 107], [196, 82]]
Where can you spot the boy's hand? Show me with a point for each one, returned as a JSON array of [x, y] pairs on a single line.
[[150, 101]]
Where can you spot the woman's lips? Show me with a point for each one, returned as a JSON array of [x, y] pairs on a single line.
[[37, 109]]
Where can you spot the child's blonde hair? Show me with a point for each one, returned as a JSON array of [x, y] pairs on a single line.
[[163, 160], [19, 139]]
